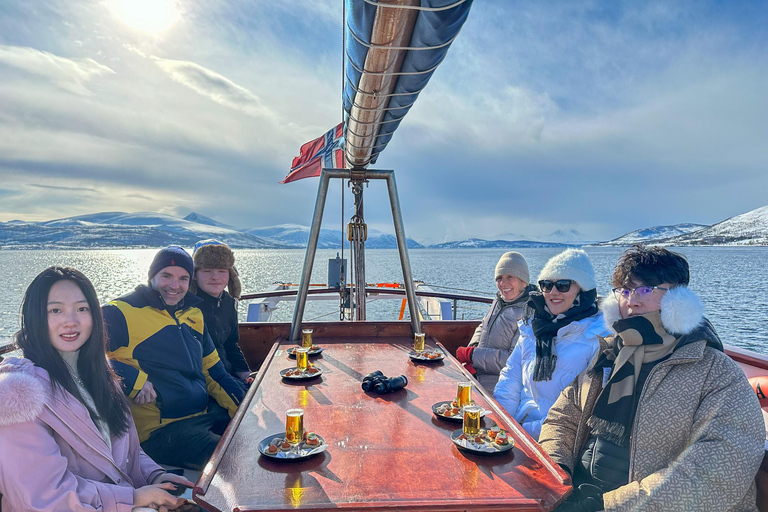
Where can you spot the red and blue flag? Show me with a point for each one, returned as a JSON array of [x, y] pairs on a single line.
[[323, 152]]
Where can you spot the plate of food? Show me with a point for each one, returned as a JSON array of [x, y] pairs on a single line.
[[276, 447], [312, 351], [427, 355], [450, 410], [487, 441], [295, 374]]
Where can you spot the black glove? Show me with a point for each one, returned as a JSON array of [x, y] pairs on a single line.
[[586, 498]]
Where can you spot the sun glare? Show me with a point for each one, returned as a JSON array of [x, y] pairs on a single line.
[[150, 16]]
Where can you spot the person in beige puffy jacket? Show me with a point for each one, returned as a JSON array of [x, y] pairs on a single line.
[[497, 334], [663, 420]]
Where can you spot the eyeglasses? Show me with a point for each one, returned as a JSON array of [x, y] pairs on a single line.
[[562, 285], [640, 292]]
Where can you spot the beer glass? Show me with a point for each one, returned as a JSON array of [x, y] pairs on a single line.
[[464, 394], [472, 420], [294, 427], [302, 358], [306, 338], [418, 342]]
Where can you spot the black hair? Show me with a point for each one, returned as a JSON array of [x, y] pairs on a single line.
[[98, 377], [651, 266]]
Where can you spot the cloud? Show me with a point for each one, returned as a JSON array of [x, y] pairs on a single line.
[[67, 189], [69, 74], [213, 86]]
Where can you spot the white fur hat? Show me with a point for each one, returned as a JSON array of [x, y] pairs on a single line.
[[571, 264]]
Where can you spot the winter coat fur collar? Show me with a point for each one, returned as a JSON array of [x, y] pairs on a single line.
[[23, 394]]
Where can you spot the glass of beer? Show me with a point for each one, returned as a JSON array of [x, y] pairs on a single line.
[[302, 358], [464, 394], [294, 427], [418, 342], [306, 338], [472, 420]]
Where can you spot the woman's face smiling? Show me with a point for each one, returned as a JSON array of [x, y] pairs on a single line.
[[69, 316], [560, 302], [510, 287]]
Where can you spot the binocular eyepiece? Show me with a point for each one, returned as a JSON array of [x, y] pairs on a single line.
[[370, 380], [380, 383]]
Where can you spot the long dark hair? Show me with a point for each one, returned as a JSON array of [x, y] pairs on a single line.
[[92, 365]]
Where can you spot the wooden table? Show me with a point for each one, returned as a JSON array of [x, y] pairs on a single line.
[[385, 452]]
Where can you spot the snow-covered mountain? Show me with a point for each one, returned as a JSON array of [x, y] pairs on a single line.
[[145, 229], [561, 236], [749, 228], [296, 235], [655, 233], [202, 219], [567, 236], [119, 229], [512, 237], [477, 243]]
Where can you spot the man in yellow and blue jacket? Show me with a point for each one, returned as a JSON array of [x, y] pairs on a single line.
[[181, 396]]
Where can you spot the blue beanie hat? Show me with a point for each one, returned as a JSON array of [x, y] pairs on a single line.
[[171, 256]]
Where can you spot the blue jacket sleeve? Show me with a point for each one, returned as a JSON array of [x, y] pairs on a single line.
[[132, 379], [510, 385], [234, 354]]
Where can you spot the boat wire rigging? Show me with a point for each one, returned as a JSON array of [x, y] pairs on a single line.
[[415, 7]]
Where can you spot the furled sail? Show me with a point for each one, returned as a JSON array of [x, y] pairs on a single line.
[[392, 47]]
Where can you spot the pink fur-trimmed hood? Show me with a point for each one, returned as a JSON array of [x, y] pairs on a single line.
[[23, 393]]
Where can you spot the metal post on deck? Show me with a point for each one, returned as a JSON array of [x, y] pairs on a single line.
[[402, 247], [314, 235], [309, 256]]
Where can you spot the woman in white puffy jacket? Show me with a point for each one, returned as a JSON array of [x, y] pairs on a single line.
[[559, 336]]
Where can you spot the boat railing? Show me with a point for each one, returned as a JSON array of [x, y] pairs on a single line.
[[432, 304]]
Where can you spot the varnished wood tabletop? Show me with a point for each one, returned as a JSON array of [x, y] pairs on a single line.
[[385, 452]]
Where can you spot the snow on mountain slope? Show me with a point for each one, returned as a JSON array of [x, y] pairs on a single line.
[[655, 233], [750, 228]]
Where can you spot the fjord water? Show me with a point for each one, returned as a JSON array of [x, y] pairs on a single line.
[[732, 281]]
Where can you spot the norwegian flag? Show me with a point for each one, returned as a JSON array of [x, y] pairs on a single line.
[[326, 151]]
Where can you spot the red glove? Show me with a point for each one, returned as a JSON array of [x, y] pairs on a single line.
[[464, 354]]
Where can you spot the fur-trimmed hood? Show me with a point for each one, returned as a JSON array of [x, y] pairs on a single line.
[[23, 393], [681, 311]]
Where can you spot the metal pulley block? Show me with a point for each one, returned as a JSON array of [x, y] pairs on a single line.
[[357, 231]]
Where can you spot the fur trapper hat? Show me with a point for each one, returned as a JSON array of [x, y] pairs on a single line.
[[571, 264], [215, 254], [513, 264]]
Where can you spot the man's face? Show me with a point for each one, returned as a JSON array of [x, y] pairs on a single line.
[[212, 280], [172, 283]]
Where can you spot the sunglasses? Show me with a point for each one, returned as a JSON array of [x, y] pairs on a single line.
[[562, 285], [640, 292]]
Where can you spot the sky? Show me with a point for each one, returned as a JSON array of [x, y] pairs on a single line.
[[603, 117]]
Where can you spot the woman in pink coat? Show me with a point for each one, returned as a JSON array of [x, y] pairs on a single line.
[[67, 438]]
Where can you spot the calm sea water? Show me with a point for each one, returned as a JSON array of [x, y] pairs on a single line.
[[730, 281]]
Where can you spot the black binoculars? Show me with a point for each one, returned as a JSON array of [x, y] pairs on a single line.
[[370, 380], [380, 383]]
